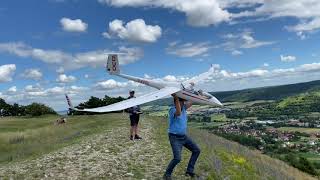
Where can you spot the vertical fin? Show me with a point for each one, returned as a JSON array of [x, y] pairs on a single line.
[[69, 102], [113, 64]]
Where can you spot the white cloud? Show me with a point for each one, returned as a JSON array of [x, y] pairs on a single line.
[[189, 49], [62, 78], [236, 52], [287, 58], [22, 50], [266, 65], [12, 89], [35, 74], [135, 30], [199, 12], [212, 12], [6, 72], [242, 40], [67, 61], [170, 78], [98, 58], [110, 84], [306, 11], [76, 25], [306, 25], [60, 70]]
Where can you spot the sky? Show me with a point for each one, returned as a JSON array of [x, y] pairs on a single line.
[[52, 47]]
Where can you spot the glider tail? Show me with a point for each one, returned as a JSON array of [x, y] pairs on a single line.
[[69, 102], [113, 64]]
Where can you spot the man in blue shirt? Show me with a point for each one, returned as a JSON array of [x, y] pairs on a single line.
[[178, 137]]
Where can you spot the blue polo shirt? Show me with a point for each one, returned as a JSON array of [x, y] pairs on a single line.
[[177, 124]]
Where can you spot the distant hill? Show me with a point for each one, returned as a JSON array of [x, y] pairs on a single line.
[[267, 93], [261, 93]]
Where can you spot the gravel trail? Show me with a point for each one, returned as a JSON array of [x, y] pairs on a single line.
[[109, 155]]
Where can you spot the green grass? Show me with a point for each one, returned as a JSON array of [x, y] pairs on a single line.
[[219, 118], [304, 130], [223, 159], [22, 138], [27, 138], [311, 156]]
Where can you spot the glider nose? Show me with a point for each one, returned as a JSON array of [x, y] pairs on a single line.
[[216, 101]]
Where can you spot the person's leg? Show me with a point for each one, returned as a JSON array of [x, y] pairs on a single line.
[[193, 147], [132, 131], [136, 128], [176, 146]]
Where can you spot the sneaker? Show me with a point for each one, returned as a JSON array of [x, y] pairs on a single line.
[[131, 138], [166, 177], [190, 174], [137, 137]]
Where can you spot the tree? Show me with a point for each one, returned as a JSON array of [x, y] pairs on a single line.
[[37, 109]]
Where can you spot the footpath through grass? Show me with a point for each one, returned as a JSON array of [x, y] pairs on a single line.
[[22, 138]]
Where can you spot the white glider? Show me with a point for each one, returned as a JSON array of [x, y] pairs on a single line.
[[189, 93]]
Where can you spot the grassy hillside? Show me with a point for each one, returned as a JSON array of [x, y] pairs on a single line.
[[254, 94], [268, 93], [22, 138], [98, 147]]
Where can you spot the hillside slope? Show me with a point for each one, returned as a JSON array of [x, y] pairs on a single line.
[[109, 154], [262, 93], [268, 93]]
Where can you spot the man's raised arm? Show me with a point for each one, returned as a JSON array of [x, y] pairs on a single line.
[[177, 104]]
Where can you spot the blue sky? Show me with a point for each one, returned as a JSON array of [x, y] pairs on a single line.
[[51, 47]]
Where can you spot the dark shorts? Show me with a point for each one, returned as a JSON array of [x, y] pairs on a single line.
[[134, 119]]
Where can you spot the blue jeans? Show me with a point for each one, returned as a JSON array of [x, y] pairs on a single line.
[[177, 142]]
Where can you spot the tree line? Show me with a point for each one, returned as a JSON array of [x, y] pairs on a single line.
[[34, 109], [95, 102]]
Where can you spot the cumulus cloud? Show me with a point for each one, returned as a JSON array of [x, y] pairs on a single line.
[[34, 74], [135, 30], [67, 61], [199, 12], [306, 11], [13, 89], [127, 55], [110, 84], [266, 65], [76, 25], [189, 49], [170, 78], [287, 58], [236, 52], [62, 78], [22, 50], [242, 40], [212, 12], [6, 72]]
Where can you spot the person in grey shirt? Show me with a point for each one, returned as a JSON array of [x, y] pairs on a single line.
[[134, 115]]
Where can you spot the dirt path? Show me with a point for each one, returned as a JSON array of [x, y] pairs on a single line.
[[110, 155]]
